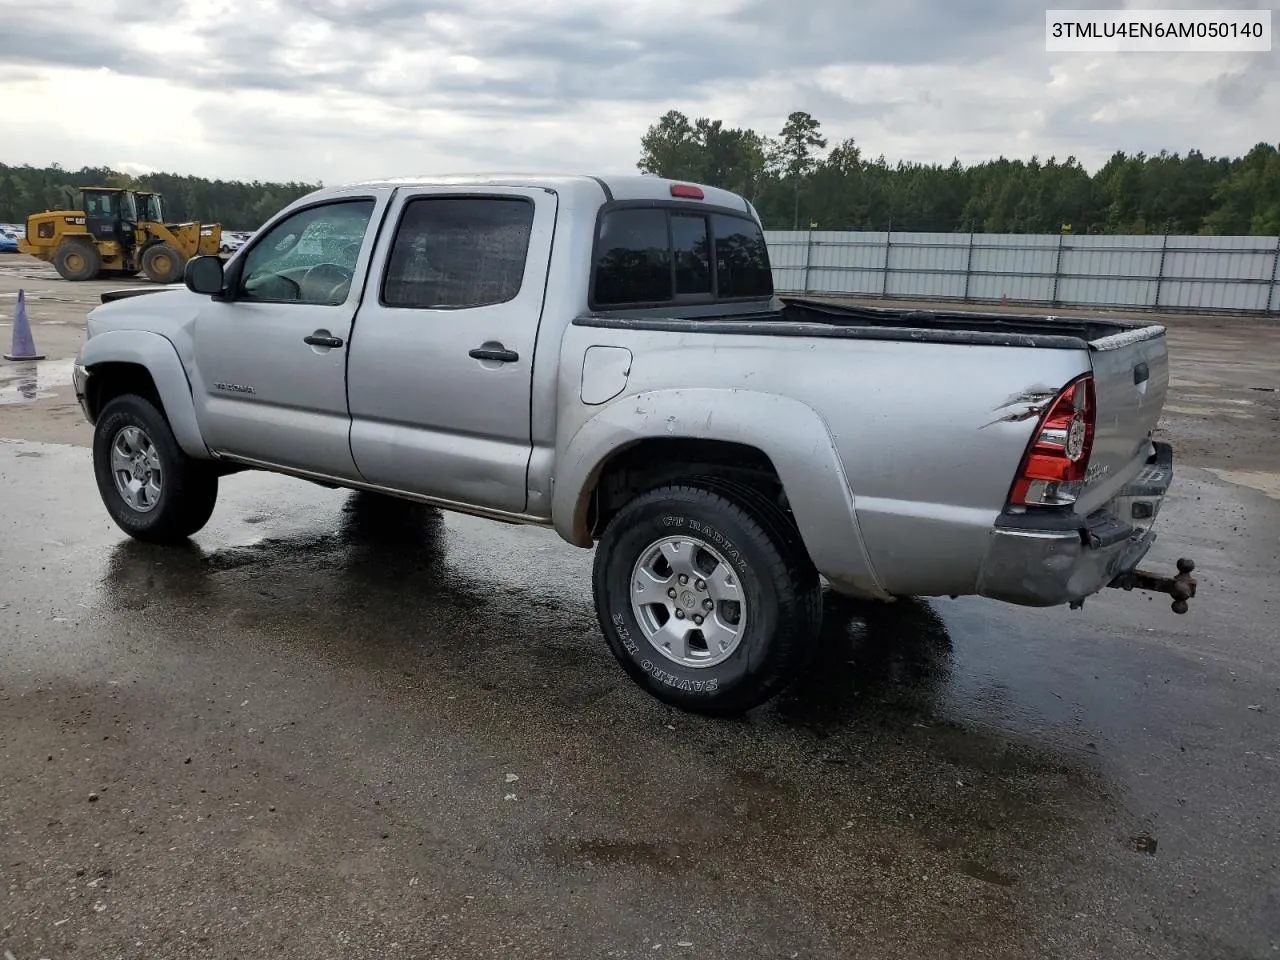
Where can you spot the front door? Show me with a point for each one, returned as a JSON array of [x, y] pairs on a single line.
[[442, 359], [270, 363]]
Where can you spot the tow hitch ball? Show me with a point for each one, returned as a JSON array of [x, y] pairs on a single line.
[[1182, 587]]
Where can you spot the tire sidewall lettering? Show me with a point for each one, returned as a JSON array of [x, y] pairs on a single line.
[[700, 528], [710, 685], [693, 682]]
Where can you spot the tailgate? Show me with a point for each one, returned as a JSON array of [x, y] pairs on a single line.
[[1131, 378]]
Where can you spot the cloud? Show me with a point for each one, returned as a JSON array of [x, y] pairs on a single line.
[[344, 89]]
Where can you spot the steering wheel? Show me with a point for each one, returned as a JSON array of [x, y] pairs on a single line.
[[337, 274]]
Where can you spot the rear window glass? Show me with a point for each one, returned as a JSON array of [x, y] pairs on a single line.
[[692, 248], [654, 255], [633, 258], [742, 258]]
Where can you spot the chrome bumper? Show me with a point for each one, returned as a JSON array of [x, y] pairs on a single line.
[[1076, 557]]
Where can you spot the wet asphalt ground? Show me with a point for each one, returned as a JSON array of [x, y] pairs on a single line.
[[341, 726], [336, 726]]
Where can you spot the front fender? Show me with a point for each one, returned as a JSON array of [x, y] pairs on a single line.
[[158, 356], [790, 433]]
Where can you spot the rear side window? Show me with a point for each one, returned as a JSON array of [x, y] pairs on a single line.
[[658, 255], [457, 252]]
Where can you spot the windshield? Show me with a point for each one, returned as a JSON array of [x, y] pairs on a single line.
[[153, 205], [128, 208]]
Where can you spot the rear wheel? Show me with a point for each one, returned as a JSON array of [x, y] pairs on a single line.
[[75, 260], [162, 263], [704, 598], [151, 489]]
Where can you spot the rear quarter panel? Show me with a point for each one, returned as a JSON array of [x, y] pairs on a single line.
[[924, 438]]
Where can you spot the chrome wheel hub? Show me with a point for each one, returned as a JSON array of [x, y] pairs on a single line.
[[688, 601], [135, 467]]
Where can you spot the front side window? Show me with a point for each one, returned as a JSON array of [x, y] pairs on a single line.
[[653, 255], [458, 252], [309, 257]]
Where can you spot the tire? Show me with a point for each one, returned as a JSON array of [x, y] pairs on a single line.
[[779, 610], [162, 263], [77, 261], [185, 491]]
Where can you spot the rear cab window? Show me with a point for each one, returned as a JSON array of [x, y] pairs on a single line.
[[667, 255], [458, 252]]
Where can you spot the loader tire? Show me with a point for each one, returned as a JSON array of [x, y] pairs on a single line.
[[77, 261], [161, 263]]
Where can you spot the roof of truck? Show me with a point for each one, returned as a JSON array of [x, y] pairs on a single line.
[[615, 186]]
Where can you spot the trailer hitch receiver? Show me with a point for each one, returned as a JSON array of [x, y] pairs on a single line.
[[1181, 587]]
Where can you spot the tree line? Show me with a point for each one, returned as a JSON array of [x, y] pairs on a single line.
[[795, 182], [236, 204]]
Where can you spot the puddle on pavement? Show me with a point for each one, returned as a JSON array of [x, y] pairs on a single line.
[[25, 381]]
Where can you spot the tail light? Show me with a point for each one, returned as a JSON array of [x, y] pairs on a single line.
[[1053, 468]]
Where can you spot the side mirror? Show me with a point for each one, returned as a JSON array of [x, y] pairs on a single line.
[[204, 275]]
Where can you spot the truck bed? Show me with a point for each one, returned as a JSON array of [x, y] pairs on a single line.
[[806, 317]]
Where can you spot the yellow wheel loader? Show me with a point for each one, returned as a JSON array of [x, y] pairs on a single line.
[[117, 231]]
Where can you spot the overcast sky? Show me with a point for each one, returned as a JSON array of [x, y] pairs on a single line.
[[345, 89]]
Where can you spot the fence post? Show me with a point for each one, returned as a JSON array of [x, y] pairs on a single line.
[[808, 259], [1164, 247], [1275, 275], [884, 270], [1057, 272], [968, 269]]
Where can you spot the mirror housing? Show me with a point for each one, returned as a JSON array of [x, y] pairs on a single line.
[[204, 275]]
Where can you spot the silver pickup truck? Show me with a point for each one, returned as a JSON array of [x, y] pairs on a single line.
[[607, 357]]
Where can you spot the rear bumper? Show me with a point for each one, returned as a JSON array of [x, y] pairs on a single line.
[[1044, 561]]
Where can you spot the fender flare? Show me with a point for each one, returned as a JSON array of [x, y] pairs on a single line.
[[158, 356], [790, 433]]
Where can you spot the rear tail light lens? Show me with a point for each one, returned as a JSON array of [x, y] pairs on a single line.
[[1053, 468]]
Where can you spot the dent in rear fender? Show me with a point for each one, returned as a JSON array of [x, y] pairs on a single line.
[[791, 434], [160, 358]]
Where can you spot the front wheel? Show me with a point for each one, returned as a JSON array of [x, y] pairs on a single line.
[[151, 489], [704, 599]]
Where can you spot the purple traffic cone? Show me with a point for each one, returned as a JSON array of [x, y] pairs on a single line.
[[24, 347]]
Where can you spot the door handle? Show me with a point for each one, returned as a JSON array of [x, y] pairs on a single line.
[[501, 354], [318, 339]]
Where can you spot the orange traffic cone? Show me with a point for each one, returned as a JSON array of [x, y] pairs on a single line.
[[24, 347]]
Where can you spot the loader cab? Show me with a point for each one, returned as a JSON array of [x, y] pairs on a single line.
[[109, 214], [151, 208]]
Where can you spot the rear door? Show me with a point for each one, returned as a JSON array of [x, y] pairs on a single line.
[[1131, 378], [441, 360], [270, 364]]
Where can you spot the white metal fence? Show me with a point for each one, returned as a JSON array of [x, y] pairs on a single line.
[[1187, 273]]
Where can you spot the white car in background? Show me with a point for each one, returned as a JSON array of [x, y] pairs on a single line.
[[233, 240]]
